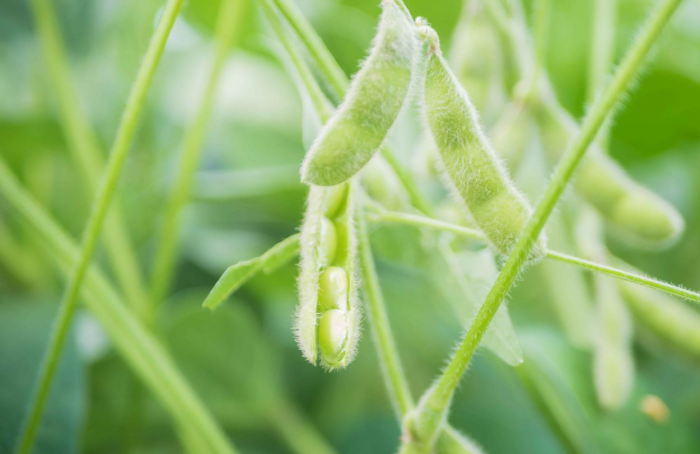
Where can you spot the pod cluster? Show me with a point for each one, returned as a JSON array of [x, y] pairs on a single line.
[[328, 315]]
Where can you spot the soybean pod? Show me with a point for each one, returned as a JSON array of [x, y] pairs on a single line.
[[359, 126], [471, 167], [613, 361], [328, 315], [635, 214], [671, 320]]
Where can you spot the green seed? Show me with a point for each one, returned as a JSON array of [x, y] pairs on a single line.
[[358, 127], [328, 278], [328, 244], [333, 289], [335, 199], [470, 164], [333, 335]]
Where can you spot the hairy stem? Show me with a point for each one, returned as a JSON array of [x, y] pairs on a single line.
[[423, 221], [436, 401], [396, 382], [166, 249], [99, 209], [86, 151]]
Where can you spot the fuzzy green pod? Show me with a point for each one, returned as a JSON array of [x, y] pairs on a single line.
[[613, 361], [634, 213], [470, 165], [378, 91], [328, 316], [669, 319]]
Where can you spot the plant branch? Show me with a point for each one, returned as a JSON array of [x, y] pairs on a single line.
[[98, 212], [166, 249], [139, 348], [389, 359], [435, 403], [86, 151], [385, 216]]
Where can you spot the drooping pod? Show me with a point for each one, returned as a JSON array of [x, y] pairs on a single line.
[[378, 91], [671, 320], [328, 316], [635, 214], [613, 361], [470, 165]]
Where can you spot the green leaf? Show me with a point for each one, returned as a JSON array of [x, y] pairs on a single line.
[[240, 273]]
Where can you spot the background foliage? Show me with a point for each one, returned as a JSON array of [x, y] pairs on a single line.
[[242, 359]]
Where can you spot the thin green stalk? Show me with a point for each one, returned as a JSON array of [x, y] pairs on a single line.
[[602, 50], [423, 221], [602, 53], [166, 249], [396, 382], [86, 152], [334, 75], [322, 106], [540, 28], [389, 359], [99, 209], [139, 348], [436, 401]]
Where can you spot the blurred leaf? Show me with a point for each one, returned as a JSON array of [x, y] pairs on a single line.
[[24, 331], [237, 275]]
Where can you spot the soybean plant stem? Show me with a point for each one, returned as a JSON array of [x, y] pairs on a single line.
[[334, 75], [86, 151], [435, 403], [382, 215], [389, 358], [94, 225], [540, 32], [322, 106], [166, 250], [602, 53]]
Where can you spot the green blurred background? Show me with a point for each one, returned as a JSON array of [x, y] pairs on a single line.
[[242, 359]]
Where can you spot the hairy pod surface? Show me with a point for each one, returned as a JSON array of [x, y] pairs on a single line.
[[328, 317], [378, 91], [635, 214], [471, 166]]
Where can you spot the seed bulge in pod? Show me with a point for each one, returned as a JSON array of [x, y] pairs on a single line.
[[327, 243], [332, 334], [333, 289]]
